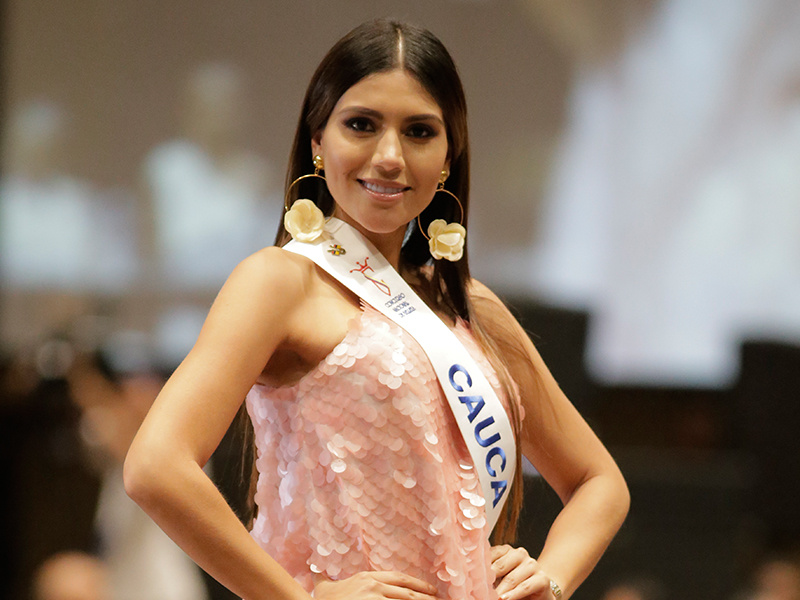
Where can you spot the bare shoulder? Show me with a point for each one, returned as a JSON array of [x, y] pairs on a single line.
[[263, 291], [279, 269]]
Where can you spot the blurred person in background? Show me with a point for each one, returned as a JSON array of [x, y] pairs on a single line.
[[46, 226], [50, 492], [212, 201], [61, 239], [775, 578], [47, 220], [113, 380], [635, 588], [672, 214], [71, 575], [69, 407]]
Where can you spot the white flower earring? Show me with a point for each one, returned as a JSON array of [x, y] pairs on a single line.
[[445, 240], [303, 219]]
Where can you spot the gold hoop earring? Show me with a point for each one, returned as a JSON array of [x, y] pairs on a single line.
[[318, 167], [303, 219], [440, 188], [445, 240]]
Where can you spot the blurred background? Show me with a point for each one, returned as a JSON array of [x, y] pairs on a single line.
[[635, 199]]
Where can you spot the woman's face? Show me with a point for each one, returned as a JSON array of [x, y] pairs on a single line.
[[384, 148]]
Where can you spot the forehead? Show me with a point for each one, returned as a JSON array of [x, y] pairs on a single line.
[[390, 91]]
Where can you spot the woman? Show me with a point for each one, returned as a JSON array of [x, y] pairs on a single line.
[[366, 487]]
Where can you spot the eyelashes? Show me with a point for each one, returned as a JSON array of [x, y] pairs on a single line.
[[360, 124], [421, 130], [417, 131]]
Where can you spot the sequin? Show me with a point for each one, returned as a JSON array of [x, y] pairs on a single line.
[[478, 522], [474, 498], [324, 458], [437, 525], [362, 467], [335, 451], [396, 370], [477, 500], [370, 414], [357, 478], [318, 477], [470, 512], [333, 570]]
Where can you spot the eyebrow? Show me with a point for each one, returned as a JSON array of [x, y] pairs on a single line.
[[363, 110]]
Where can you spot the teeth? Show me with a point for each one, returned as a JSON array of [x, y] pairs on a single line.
[[379, 189]]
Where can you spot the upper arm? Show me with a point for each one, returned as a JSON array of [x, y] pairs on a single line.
[[250, 318], [554, 436]]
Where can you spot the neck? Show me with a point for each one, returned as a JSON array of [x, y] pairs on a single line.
[[389, 245]]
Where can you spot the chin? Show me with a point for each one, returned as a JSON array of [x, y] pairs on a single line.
[[383, 226], [379, 224]]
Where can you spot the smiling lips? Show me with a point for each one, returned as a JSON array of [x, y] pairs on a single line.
[[383, 190]]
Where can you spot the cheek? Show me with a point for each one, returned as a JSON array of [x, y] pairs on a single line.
[[344, 160], [338, 173], [433, 162], [433, 172]]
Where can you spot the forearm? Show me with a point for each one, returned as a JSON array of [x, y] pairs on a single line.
[[184, 502], [583, 530]]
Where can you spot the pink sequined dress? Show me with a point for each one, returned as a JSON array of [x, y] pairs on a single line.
[[361, 467]]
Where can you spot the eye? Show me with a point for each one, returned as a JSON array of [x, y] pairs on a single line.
[[421, 131], [360, 124]]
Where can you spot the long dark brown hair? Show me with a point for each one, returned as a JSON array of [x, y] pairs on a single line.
[[380, 46]]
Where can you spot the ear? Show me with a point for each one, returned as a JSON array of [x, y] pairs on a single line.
[[316, 144]]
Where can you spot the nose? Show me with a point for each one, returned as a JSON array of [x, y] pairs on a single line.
[[388, 155]]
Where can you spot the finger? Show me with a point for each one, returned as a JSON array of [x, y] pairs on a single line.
[[404, 581], [499, 551], [536, 587], [509, 561], [521, 572], [392, 592]]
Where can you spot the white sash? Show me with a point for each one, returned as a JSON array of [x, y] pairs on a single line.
[[347, 256]]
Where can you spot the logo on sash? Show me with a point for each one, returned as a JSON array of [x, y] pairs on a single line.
[[378, 283]]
